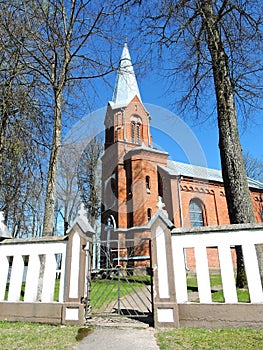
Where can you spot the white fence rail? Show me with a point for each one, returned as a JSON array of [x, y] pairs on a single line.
[[20, 271], [45, 279], [223, 241], [174, 305]]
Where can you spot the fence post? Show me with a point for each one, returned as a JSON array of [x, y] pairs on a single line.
[[75, 294], [164, 303]]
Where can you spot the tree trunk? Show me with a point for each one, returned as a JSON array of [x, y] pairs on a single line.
[[48, 226], [238, 197]]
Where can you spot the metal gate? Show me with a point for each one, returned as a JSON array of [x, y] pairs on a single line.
[[120, 282]]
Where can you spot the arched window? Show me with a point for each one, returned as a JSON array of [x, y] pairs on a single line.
[[136, 125], [160, 185], [133, 132], [196, 210], [147, 183]]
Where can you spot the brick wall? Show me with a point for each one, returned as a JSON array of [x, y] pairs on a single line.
[[213, 260], [135, 200]]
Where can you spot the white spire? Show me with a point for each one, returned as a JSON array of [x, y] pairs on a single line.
[[126, 85]]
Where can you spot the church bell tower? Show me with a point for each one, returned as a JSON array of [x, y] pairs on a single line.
[[129, 164]]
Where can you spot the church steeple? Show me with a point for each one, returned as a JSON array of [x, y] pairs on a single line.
[[126, 119], [126, 87], [129, 166]]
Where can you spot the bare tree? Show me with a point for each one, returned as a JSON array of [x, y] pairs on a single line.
[[68, 197], [63, 42], [89, 175], [22, 134], [254, 167], [214, 44]]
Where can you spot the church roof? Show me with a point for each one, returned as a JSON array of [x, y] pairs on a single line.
[[143, 147], [126, 87], [199, 172]]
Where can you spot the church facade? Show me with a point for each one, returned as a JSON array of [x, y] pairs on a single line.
[[136, 176]]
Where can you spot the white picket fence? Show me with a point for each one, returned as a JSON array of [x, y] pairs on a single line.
[[45, 279], [20, 263], [174, 306], [20, 283], [223, 240]]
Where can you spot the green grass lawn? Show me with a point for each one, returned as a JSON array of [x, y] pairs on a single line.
[[242, 296], [22, 293], [28, 336], [216, 286], [199, 339]]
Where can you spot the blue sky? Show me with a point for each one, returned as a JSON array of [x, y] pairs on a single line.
[[152, 91], [193, 136]]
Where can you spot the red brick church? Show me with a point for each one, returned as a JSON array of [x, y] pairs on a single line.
[[135, 175]]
